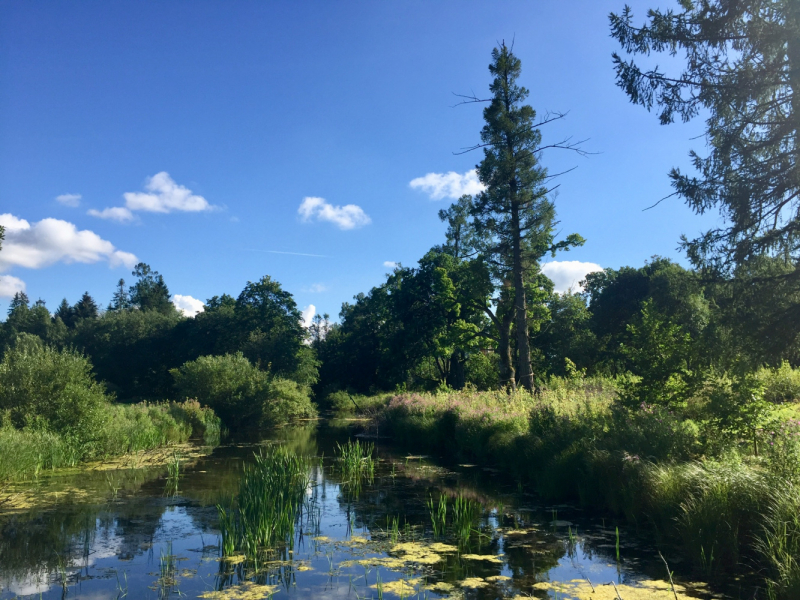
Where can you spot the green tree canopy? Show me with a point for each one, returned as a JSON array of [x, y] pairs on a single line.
[[150, 292], [742, 70]]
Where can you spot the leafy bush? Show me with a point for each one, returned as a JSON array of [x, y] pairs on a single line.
[[51, 390], [780, 445], [287, 400], [205, 423], [240, 393], [341, 401], [781, 384], [482, 370]]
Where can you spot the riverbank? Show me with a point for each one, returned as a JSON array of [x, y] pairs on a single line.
[[728, 509], [123, 430]]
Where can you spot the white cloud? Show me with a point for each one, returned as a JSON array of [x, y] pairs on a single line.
[[115, 213], [348, 216], [187, 305], [308, 314], [448, 185], [566, 274], [69, 199], [164, 195], [49, 241], [317, 288], [390, 264], [10, 285]]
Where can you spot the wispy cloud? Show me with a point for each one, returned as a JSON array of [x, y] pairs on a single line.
[[38, 245], [72, 200], [567, 274], [448, 185], [162, 195], [115, 213], [289, 253], [390, 264], [317, 288], [348, 216], [187, 305]]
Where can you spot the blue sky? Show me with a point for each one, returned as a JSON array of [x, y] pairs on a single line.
[[205, 126]]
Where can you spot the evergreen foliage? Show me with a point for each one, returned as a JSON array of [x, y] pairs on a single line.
[[515, 215], [742, 69]]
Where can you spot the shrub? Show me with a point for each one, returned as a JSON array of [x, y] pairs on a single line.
[[205, 423], [781, 384], [482, 370], [344, 402], [287, 400], [341, 401], [240, 393], [780, 446], [229, 384], [48, 389]]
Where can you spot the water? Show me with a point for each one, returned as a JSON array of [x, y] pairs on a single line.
[[129, 534]]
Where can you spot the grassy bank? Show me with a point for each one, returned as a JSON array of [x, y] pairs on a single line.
[[726, 504], [122, 429]]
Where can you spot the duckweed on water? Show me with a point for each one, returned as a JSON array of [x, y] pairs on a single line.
[[486, 557], [246, 591], [415, 552], [401, 587], [643, 590], [473, 582]]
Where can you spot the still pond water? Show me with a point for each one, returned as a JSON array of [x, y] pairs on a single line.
[[135, 533]]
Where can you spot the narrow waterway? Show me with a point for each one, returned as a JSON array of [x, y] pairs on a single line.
[[137, 533]]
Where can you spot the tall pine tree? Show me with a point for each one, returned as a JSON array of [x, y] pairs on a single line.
[[120, 300], [515, 211], [85, 308]]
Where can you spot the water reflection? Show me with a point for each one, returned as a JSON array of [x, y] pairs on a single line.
[[127, 539]]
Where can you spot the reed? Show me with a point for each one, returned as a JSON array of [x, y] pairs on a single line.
[[438, 512], [269, 503], [173, 475], [355, 459], [465, 513]]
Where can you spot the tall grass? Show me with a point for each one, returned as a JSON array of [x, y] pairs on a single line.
[[661, 469], [779, 542], [120, 429], [438, 513], [268, 505], [464, 512], [355, 459]]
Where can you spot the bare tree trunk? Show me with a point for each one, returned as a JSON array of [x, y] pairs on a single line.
[[502, 319], [457, 378], [524, 367], [507, 374]]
